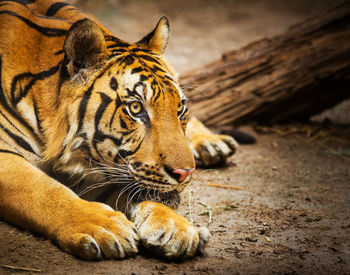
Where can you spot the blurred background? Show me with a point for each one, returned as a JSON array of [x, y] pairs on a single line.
[[201, 30]]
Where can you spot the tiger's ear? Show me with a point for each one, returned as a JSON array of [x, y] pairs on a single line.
[[85, 48], [157, 39]]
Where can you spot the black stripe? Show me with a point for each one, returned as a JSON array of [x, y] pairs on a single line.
[[114, 55], [149, 179], [4, 103], [133, 92], [62, 151], [112, 118], [127, 133], [43, 30], [84, 102], [59, 52], [125, 111], [98, 136], [113, 83], [168, 77], [67, 120], [143, 77], [132, 136], [122, 123], [128, 60], [105, 101], [156, 90], [149, 58], [21, 2], [10, 152], [119, 50], [19, 140], [157, 95], [38, 121], [83, 105], [30, 78], [119, 44], [166, 82], [85, 147], [111, 38], [136, 50], [160, 238], [124, 153], [118, 103], [27, 2], [63, 75], [136, 70], [55, 7], [155, 67], [10, 122]]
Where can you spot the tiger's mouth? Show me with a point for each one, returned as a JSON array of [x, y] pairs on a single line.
[[157, 179], [128, 185], [157, 187]]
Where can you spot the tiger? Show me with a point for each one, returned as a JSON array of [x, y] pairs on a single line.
[[96, 142]]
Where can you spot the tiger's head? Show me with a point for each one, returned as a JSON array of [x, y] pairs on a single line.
[[125, 115]]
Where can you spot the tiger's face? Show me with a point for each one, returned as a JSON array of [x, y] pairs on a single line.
[[132, 114], [138, 118]]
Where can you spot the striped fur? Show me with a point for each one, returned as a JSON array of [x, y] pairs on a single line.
[[76, 100], [76, 115]]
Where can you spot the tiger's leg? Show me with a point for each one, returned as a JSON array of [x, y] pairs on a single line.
[[209, 149], [31, 199], [167, 233]]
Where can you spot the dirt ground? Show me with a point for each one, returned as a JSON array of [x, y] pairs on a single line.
[[293, 214]]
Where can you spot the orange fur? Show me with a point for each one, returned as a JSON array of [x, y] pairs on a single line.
[[67, 91]]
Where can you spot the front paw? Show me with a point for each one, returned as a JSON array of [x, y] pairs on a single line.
[[167, 233], [210, 149], [93, 230]]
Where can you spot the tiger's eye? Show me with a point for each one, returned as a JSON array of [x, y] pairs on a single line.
[[180, 107], [135, 107]]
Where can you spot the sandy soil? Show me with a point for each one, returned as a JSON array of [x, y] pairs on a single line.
[[293, 214]]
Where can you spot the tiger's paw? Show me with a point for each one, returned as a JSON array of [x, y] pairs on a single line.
[[209, 149], [167, 233], [94, 231]]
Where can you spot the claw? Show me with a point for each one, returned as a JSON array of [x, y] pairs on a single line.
[[167, 233], [209, 149]]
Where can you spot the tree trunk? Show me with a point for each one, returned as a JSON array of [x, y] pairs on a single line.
[[291, 76]]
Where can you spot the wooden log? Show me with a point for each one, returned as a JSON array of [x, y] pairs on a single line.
[[291, 76]]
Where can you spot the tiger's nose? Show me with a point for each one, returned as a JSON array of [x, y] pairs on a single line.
[[181, 174]]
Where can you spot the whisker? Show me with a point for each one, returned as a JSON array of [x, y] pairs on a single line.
[[127, 204], [142, 189], [92, 187], [115, 150], [190, 88], [113, 164], [127, 199], [158, 196], [77, 181], [124, 190], [147, 193]]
